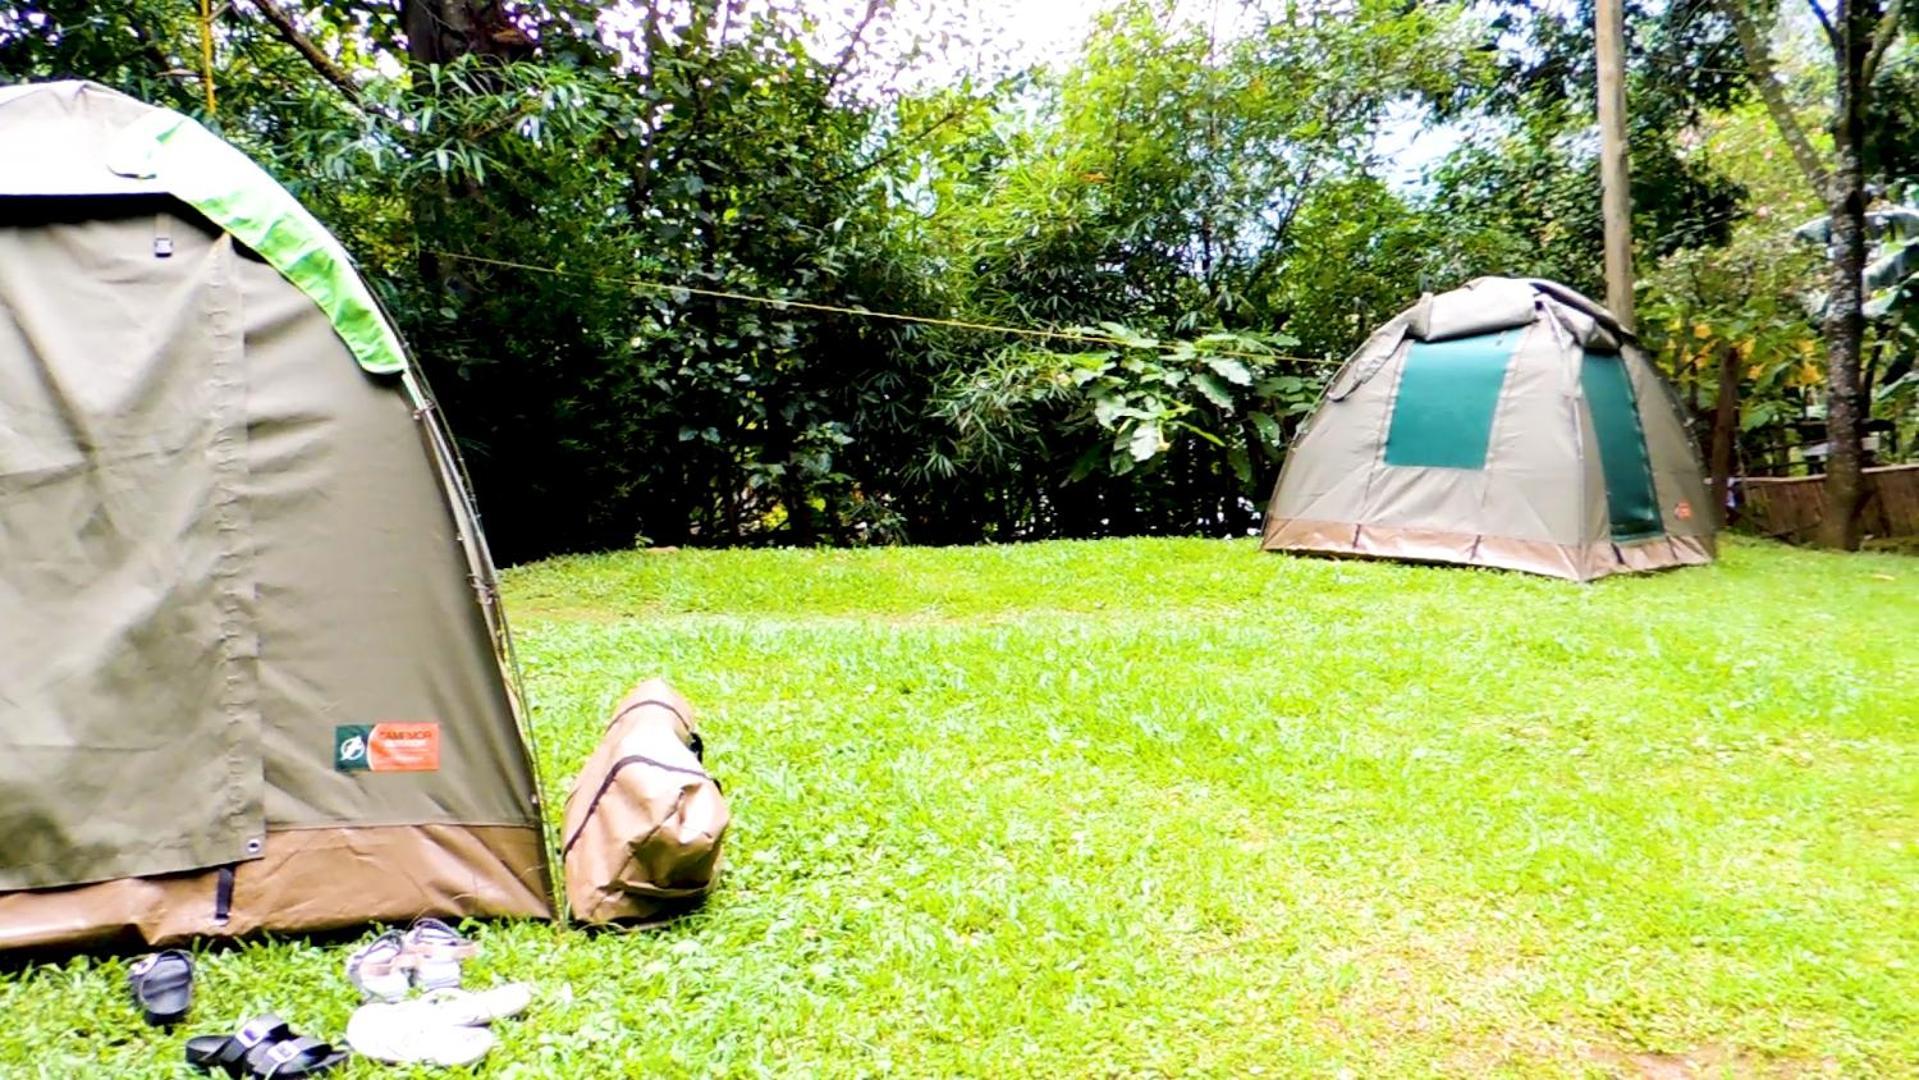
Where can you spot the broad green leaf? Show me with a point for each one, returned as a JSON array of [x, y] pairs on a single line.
[[1242, 465], [1146, 441], [1231, 370], [1215, 389], [1127, 334], [1268, 428]]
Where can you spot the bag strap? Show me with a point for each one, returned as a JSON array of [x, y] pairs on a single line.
[[607, 782], [693, 740]]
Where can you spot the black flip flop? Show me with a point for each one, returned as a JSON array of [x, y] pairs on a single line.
[[162, 985], [263, 1047]]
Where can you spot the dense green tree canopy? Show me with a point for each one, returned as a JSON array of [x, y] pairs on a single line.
[[552, 196]]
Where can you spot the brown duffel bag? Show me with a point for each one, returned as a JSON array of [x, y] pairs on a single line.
[[644, 818]]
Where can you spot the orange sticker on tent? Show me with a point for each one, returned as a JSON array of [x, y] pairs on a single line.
[[403, 748], [387, 747]]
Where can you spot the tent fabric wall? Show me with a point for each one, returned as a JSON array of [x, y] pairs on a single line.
[[1526, 490], [233, 554]]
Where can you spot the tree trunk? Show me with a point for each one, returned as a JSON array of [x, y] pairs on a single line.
[[1765, 81], [441, 31], [1725, 432], [1845, 328]]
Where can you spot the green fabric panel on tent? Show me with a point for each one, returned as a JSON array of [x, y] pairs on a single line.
[[1448, 391], [213, 177], [1630, 501]]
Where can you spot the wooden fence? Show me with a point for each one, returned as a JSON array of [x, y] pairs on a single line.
[[1791, 507]]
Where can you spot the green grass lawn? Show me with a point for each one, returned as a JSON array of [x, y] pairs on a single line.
[[1177, 807]]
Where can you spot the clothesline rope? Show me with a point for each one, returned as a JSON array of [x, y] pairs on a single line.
[[864, 313]]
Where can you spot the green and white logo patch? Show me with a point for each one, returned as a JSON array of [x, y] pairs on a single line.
[[350, 747]]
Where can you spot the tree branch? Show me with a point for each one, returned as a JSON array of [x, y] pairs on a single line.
[[852, 44], [1764, 79], [1825, 21], [905, 144], [162, 63], [289, 32], [1882, 38]]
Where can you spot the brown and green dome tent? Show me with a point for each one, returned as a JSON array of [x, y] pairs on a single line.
[[1510, 423], [251, 664]]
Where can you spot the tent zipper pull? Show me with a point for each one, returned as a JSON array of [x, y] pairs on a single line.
[[162, 237]]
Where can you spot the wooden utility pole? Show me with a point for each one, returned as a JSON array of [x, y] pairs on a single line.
[[1616, 194]]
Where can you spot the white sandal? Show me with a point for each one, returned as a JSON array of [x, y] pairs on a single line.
[[427, 956], [433, 951], [410, 1032], [470, 1007], [379, 968]]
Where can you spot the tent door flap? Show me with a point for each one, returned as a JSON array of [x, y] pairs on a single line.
[[1631, 503], [129, 732]]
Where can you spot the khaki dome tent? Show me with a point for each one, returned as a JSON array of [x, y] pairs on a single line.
[[1509, 423], [248, 666]]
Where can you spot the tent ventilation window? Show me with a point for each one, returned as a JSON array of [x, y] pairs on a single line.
[[1448, 391]]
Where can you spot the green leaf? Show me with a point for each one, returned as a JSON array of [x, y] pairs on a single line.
[[1146, 441], [1242, 465], [1231, 370], [1128, 335], [1215, 389], [1087, 462], [1268, 428]]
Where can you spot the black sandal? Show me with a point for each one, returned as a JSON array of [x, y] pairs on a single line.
[[229, 1052], [264, 1048], [162, 985], [302, 1055]]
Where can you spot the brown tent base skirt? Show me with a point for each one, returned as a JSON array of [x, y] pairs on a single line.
[[307, 880], [1495, 552]]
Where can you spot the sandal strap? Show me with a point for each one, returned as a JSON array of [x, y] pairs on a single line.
[[296, 1054], [141, 968], [150, 979], [151, 982], [231, 1054], [431, 939], [439, 951], [261, 1030]]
